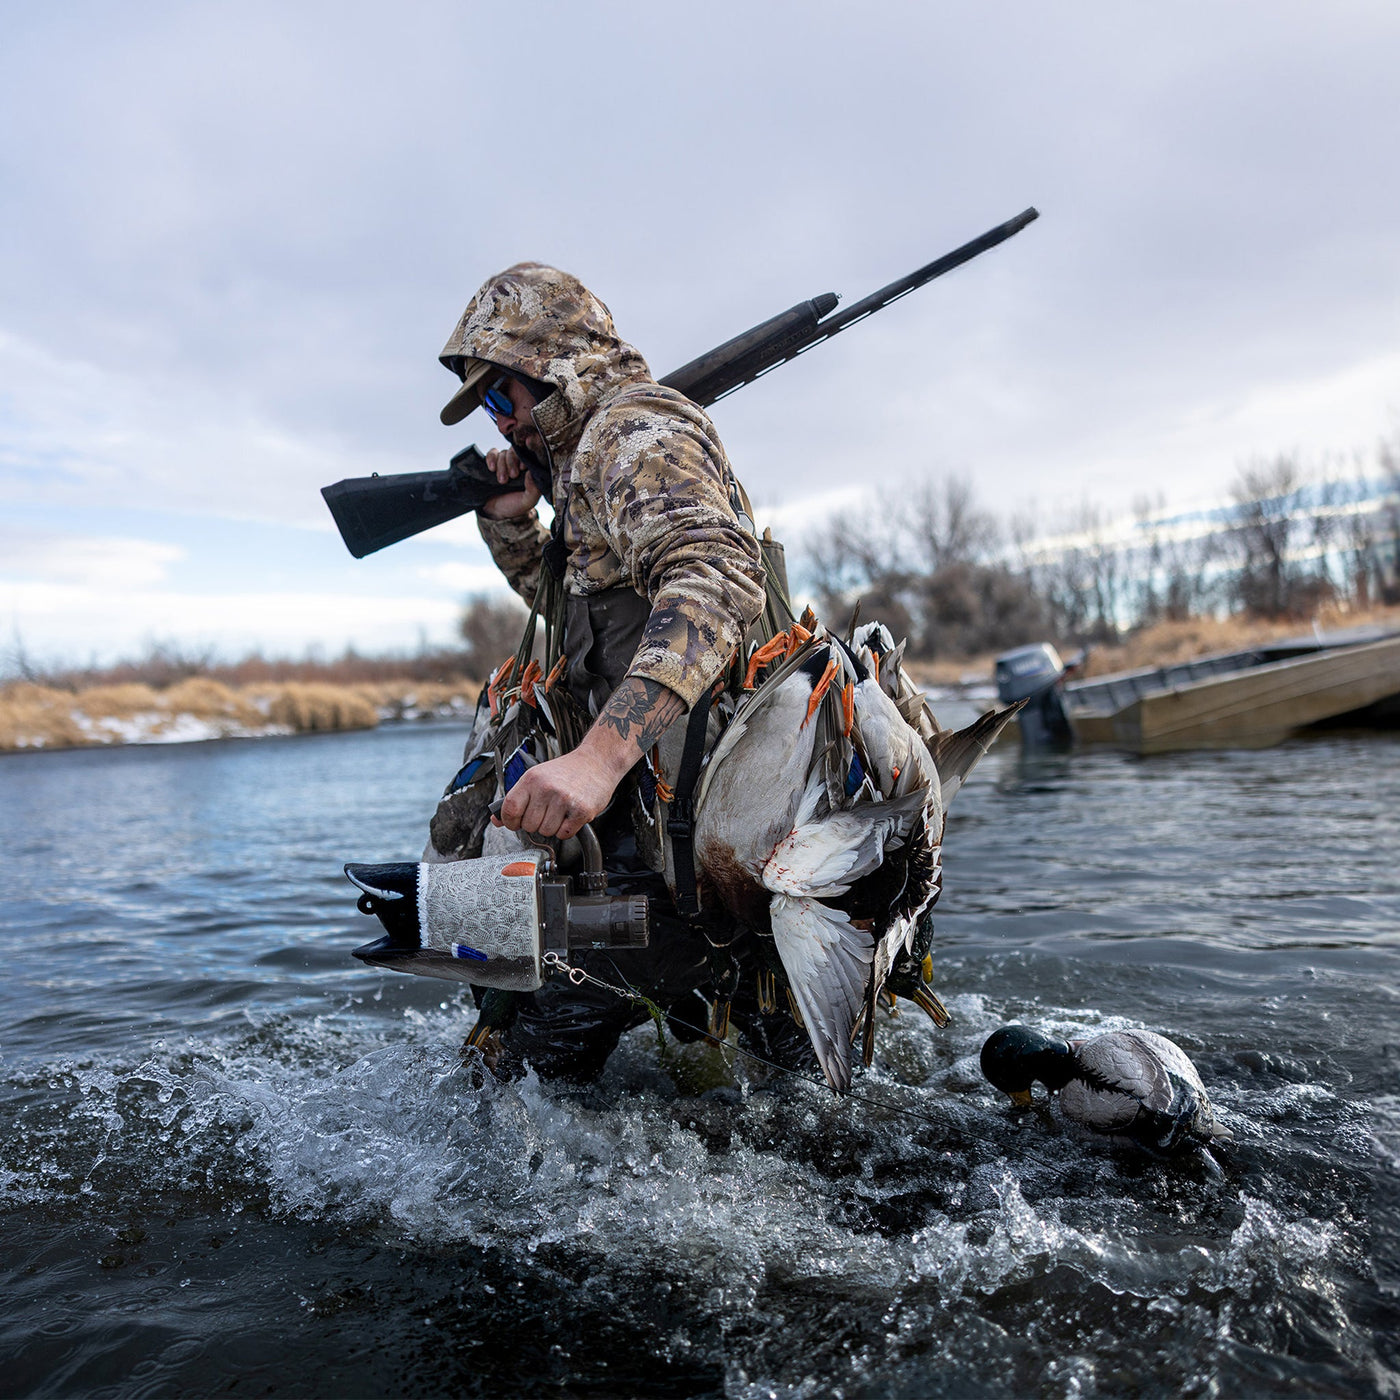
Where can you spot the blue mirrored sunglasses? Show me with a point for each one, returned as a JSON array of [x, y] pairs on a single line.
[[497, 403]]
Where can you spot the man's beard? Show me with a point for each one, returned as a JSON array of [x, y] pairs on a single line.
[[539, 473]]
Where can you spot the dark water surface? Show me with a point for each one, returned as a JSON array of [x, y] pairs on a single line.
[[234, 1161]]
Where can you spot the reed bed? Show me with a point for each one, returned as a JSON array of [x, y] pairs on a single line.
[[1165, 643], [36, 716]]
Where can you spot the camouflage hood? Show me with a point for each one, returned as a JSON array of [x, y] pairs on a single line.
[[545, 324], [643, 492]]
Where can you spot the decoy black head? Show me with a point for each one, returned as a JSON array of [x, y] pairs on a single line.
[[1015, 1056], [391, 892]]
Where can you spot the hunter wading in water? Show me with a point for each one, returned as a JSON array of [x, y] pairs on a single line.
[[662, 577]]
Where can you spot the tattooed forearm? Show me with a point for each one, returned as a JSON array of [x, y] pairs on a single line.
[[641, 711]]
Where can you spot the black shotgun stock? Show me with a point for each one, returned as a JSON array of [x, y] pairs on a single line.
[[374, 511]]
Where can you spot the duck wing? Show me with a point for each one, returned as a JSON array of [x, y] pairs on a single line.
[[1189, 1107], [827, 961], [1140, 1083], [824, 857]]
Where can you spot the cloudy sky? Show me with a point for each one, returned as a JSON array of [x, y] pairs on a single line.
[[233, 238]]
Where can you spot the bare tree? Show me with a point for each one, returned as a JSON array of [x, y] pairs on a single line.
[[1265, 495], [947, 526], [492, 626], [924, 563]]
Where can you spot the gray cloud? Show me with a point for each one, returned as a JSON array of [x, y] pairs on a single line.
[[271, 215]]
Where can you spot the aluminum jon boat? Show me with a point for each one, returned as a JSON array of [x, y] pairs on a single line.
[[1252, 698]]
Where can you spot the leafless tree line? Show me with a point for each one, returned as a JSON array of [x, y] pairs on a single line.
[[957, 579]]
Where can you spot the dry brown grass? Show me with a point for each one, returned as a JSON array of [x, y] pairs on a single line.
[[118, 701], [208, 699], [953, 671], [1165, 643], [36, 716], [43, 717], [165, 666], [309, 707]]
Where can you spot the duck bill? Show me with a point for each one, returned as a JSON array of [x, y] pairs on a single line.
[[930, 1004], [1022, 1098]]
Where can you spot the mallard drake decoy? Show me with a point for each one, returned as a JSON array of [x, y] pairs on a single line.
[[1135, 1083]]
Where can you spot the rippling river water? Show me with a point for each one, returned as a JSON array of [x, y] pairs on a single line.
[[234, 1160]]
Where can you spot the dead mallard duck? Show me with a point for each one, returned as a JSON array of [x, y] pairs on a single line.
[[820, 820]]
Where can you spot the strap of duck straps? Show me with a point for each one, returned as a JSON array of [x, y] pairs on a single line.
[[555, 553], [680, 826], [549, 606], [778, 614]]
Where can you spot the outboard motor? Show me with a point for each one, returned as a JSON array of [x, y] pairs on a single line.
[[491, 920], [1033, 674]]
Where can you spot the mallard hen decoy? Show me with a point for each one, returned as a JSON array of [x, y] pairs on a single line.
[[1136, 1083]]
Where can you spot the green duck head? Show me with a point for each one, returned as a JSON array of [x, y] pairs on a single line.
[[1016, 1056]]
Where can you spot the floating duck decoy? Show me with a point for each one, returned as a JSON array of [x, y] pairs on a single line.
[[1135, 1083], [819, 822]]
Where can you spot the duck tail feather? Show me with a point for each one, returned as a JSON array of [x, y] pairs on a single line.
[[955, 752]]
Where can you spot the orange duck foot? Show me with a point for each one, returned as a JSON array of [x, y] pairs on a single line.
[[769, 651], [821, 687]]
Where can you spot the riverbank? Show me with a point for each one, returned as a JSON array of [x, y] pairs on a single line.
[[82, 713], [47, 717], [1164, 644]]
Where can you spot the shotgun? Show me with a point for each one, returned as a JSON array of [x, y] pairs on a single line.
[[374, 511]]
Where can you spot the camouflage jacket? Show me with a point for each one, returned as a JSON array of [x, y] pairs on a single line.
[[638, 471]]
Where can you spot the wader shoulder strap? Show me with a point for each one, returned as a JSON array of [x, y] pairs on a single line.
[[680, 827]]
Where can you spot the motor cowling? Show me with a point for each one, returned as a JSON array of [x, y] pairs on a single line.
[[490, 920], [1033, 674]]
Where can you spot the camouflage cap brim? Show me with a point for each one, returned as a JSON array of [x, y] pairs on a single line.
[[468, 397]]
